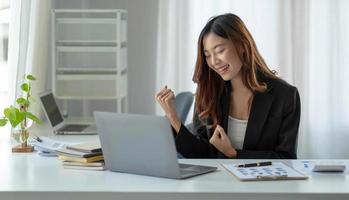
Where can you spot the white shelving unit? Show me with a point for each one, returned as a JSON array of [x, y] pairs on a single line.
[[89, 58]]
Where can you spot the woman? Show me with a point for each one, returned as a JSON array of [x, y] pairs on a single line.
[[242, 109]]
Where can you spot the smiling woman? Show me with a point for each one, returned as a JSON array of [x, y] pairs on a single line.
[[242, 109]]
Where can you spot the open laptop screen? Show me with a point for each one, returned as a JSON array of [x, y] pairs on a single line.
[[51, 109]]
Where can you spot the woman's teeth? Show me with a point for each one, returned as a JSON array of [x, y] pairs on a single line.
[[224, 68]]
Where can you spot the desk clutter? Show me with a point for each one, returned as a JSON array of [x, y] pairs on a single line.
[[88, 158], [83, 156]]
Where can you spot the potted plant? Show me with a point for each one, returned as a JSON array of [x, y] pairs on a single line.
[[20, 118]]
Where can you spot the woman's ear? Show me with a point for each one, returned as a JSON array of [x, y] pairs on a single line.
[[241, 50]]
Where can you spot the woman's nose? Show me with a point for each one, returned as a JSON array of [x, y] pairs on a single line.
[[215, 60]]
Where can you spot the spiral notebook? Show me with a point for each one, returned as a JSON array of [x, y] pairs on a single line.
[[276, 171]]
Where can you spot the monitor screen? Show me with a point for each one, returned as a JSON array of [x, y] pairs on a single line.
[[51, 109]]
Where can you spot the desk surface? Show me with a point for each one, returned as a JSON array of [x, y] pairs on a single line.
[[39, 177]]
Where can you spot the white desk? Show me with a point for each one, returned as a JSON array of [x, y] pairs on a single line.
[[32, 177]]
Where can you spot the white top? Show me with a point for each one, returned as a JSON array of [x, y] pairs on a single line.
[[236, 132]]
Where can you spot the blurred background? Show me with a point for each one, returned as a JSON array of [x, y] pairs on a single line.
[[306, 41]]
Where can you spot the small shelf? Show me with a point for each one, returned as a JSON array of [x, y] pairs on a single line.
[[86, 20], [85, 49], [89, 11], [84, 70], [87, 77], [89, 43], [86, 97], [89, 60], [90, 71]]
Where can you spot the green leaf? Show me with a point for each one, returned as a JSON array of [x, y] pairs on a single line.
[[3, 122], [31, 77], [9, 111], [22, 101], [33, 117], [25, 87], [14, 115]]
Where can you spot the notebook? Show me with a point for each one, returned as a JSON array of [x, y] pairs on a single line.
[[87, 147], [56, 119], [82, 160], [73, 153], [276, 171]]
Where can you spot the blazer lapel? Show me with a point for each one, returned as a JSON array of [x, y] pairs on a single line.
[[259, 112], [225, 103]]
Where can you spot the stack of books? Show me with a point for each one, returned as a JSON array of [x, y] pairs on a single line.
[[85, 156]]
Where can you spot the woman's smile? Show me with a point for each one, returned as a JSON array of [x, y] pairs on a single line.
[[223, 69]]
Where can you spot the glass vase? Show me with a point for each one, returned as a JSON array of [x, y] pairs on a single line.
[[21, 132]]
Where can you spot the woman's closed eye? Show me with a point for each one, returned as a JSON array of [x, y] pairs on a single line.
[[220, 50], [217, 52]]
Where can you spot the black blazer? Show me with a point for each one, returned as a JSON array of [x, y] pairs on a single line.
[[271, 131]]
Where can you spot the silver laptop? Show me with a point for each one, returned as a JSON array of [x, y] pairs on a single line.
[[142, 144], [56, 119]]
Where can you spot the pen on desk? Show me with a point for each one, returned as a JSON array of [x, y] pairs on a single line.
[[257, 164]]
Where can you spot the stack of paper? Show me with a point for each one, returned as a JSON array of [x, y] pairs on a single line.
[[99, 165], [87, 156], [88, 147], [47, 146]]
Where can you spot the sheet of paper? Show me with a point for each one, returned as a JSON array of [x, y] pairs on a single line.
[[48, 145], [277, 170]]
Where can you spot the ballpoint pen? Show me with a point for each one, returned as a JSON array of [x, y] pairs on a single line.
[[257, 164]]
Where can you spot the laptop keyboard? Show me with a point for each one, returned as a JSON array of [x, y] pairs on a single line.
[[191, 168], [187, 170], [72, 128]]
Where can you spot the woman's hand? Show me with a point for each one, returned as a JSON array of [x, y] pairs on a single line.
[[221, 141], [166, 100]]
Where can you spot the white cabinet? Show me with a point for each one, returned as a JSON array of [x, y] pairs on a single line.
[[89, 60]]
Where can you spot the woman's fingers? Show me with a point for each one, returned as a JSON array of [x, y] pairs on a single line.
[[215, 136], [165, 99], [218, 134], [221, 132], [165, 94], [168, 96], [160, 93]]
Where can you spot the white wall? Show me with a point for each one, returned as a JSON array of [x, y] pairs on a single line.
[[142, 30]]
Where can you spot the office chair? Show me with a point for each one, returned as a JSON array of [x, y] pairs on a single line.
[[183, 102]]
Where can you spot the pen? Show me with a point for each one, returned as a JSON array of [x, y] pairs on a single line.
[[258, 164]]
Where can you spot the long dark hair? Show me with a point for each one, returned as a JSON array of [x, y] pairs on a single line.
[[210, 85]]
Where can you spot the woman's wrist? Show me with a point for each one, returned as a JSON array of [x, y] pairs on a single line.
[[231, 153], [175, 122]]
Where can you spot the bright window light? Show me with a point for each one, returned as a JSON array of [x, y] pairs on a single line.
[[4, 68]]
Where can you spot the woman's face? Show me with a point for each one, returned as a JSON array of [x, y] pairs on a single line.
[[221, 56]]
